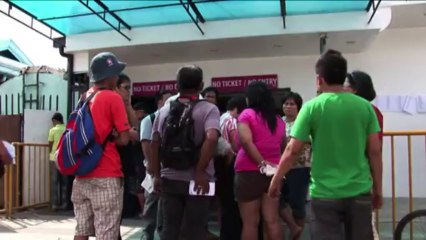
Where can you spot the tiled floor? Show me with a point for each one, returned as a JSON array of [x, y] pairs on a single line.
[[44, 225]]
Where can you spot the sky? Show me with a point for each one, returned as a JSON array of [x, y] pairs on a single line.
[[38, 48]]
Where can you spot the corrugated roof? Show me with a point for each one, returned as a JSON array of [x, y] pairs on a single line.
[[83, 16], [10, 50]]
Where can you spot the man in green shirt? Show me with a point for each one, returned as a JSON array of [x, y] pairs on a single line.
[[58, 187], [347, 160]]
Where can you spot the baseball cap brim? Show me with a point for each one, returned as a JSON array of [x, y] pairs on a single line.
[[110, 72]]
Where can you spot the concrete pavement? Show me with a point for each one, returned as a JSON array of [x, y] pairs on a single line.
[[42, 224]]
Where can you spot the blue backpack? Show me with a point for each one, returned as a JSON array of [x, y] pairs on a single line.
[[78, 152]]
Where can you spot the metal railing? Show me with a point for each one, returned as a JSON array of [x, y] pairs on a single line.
[[391, 137], [27, 183]]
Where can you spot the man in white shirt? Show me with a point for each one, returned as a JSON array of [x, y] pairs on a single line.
[[231, 224], [149, 219]]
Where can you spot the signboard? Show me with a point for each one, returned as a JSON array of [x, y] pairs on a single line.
[[149, 89], [239, 84], [223, 84]]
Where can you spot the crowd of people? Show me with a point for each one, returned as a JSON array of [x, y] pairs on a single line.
[[254, 165]]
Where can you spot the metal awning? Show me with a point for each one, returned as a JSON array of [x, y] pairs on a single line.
[[87, 16]]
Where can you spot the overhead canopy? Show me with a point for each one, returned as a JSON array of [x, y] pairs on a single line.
[[84, 16]]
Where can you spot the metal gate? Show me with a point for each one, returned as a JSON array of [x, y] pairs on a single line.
[[11, 104]]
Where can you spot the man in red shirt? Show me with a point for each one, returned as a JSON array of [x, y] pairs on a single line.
[[98, 196]]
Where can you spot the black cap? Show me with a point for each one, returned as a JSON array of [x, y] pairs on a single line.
[[105, 65]]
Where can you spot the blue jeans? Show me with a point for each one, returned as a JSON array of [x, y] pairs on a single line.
[[58, 187]]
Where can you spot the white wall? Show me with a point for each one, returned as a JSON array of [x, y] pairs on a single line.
[[81, 62], [396, 61], [36, 159]]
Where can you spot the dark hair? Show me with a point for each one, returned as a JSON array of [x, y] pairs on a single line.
[[58, 117], [296, 98], [332, 52], [159, 95], [238, 102], [210, 89], [362, 84], [189, 77], [333, 67], [140, 106], [122, 78], [261, 101]]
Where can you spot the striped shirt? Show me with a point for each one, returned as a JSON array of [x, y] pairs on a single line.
[[227, 125]]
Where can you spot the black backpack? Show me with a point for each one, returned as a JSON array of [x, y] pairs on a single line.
[[178, 149]]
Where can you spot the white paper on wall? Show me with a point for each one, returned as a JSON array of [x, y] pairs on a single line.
[[410, 105], [381, 103], [396, 103], [387, 103], [421, 104]]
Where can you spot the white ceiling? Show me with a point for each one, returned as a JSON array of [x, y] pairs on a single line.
[[411, 15], [403, 16], [265, 46]]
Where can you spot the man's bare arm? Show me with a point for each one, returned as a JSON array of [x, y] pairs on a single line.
[[374, 153], [146, 149]]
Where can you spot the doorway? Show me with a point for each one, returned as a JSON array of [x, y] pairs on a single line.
[[148, 102]]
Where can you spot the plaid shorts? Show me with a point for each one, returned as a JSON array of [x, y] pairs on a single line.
[[98, 203]]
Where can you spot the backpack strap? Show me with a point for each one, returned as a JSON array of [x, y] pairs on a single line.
[[107, 139], [193, 103], [91, 142], [152, 117], [84, 100]]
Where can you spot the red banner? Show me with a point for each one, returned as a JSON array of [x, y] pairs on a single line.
[[148, 89], [239, 84]]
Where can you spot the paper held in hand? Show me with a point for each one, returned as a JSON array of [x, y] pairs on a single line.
[[269, 170], [148, 184], [194, 193]]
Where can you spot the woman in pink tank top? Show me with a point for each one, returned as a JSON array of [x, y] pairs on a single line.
[[261, 136]]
